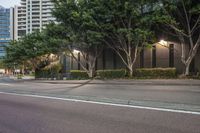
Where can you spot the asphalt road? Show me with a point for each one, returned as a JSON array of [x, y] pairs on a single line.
[[175, 94], [20, 114]]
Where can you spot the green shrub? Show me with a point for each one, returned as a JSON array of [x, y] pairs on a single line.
[[155, 73], [78, 74], [52, 71], [19, 76], [111, 74], [31, 74]]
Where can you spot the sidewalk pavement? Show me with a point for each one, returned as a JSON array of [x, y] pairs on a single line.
[[23, 77], [180, 82]]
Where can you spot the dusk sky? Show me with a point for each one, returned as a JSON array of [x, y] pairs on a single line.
[[9, 3]]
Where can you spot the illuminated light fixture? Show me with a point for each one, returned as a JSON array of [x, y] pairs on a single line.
[[51, 55], [163, 43], [75, 51]]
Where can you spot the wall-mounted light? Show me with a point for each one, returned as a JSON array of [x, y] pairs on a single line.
[[163, 43], [76, 51], [51, 56]]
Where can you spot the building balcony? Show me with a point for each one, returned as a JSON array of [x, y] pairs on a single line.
[[21, 8], [21, 28], [21, 13], [21, 24], [35, 18], [21, 19], [35, 8]]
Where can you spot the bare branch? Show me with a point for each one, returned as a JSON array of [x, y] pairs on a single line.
[[186, 16], [195, 25], [197, 44], [121, 43], [177, 30], [183, 52], [120, 55], [135, 54]]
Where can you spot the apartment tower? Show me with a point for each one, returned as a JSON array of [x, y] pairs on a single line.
[[32, 15]]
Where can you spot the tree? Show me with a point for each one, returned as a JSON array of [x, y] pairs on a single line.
[[82, 32], [29, 49], [183, 18], [128, 29], [123, 25]]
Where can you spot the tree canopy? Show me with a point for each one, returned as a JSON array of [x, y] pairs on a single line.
[[182, 20], [121, 25], [29, 49]]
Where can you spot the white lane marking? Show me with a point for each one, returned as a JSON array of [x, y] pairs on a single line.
[[102, 103], [5, 84]]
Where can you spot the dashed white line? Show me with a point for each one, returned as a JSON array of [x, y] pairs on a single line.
[[5, 84], [104, 103]]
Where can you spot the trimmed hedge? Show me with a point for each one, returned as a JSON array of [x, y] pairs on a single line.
[[78, 74], [111, 74], [155, 73], [142, 73]]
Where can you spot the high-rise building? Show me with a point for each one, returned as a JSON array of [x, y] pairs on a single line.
[[32, 15], [6, 28]]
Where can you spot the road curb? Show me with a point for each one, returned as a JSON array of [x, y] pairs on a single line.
[[115, 83]]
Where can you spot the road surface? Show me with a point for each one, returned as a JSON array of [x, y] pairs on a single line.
[[22, 114], [35, 107]]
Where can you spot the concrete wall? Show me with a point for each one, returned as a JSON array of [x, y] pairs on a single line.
[[137, 63], [147, 58], [100, 62], [162, 56], [177, 58], [82, 61], [119, 62], [197, 61], [109, 59], [162, 59], [74, 64]]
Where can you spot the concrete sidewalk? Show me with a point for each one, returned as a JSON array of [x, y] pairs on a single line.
[[180, 82]]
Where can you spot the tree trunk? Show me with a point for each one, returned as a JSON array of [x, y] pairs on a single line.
[[130, 70], [23, 69], [187, 65], [91, 73], [131, 73], [90, 60], [187, 69]]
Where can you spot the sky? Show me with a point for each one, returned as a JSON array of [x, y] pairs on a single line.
[[9, 3]]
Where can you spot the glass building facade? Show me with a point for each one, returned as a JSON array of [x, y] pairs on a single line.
[[5, 29]]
